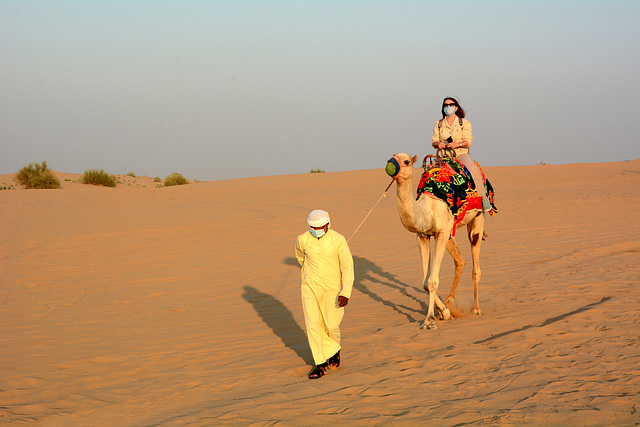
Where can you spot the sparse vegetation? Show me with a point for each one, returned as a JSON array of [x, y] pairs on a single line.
[[542, 163], [38, 176], [157, 179], [5, 186], [132, 174], [175, 179], [316, 171], [98, 177]]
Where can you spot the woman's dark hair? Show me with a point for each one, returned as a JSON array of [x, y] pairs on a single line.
[[459, 113]]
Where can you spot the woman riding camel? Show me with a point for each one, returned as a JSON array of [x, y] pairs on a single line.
[[454, 131]]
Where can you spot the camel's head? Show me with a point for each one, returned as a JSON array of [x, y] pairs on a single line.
[[399, 161]]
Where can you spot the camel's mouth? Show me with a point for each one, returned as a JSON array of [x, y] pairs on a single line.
[[393, 167]]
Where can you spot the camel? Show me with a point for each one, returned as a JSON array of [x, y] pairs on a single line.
[[430, 217]]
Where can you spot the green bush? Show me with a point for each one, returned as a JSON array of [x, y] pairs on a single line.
[[175, 179], [316, 171], [98, 177], [37, 176]]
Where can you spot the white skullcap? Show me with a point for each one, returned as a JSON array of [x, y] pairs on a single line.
[[318, 218]]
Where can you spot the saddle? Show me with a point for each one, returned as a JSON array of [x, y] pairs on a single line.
[[447, 179]]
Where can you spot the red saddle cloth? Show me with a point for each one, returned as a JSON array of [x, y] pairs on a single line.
[[452, 183]]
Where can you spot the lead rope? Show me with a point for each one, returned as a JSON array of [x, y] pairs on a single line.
[[374, 206]]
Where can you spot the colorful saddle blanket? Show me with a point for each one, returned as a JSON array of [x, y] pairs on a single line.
[[452, 183]]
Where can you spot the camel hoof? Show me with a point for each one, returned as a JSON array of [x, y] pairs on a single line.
[[443, 314], [477, 311], [429, 325]]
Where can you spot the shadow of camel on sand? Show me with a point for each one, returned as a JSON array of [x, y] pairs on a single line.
[[278, 317], [368, 271]]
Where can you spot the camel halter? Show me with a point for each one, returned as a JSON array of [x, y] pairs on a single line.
[[374, 206], [394, 165]]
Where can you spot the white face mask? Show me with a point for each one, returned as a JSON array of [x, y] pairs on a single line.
[[317, 233], [450, 110]]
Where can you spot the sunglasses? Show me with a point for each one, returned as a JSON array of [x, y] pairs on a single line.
[[449, 105]]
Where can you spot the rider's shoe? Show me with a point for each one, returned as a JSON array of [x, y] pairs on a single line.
[[486, 205]]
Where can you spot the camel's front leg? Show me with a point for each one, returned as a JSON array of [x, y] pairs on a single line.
[[476, 231], [431, 268], [475, 274]]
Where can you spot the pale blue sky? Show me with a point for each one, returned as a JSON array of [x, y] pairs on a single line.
[[229, 89]]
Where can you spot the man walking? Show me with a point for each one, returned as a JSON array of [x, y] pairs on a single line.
[[327, 280]]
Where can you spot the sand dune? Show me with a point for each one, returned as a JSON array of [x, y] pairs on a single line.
[[138, 306]]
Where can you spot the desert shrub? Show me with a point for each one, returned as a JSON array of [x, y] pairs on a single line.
[[132, 174], [98, 177], [157, 179], [37, 175], [175, 179], [5, 186], [316, 171]]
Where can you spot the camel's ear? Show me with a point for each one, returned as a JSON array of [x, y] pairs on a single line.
[[414, 159]]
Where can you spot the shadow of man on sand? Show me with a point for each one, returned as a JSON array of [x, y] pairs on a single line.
[[280, 320], [368, 271]]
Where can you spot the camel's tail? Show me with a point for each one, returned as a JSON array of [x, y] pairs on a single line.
[[454, 311]]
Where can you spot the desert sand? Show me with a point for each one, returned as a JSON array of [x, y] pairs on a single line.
[[140, 306]]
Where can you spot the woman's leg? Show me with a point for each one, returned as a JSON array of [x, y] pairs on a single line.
[[467, 161]]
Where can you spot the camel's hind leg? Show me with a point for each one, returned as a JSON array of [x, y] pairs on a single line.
[[476, 232], [458, 260]]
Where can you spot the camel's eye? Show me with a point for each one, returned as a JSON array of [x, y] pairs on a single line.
[[406, 162]]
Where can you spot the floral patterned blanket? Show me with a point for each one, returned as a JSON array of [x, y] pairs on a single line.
[[452, 183]]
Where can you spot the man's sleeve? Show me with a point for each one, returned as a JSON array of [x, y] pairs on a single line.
[[346, 268], [299, 251]]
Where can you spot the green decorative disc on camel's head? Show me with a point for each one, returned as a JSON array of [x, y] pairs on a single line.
[[393, 167]]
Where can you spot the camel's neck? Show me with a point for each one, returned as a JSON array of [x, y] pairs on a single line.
[[414, 220]]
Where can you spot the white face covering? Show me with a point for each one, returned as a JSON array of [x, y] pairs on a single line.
[[450, 110], [317, 233]]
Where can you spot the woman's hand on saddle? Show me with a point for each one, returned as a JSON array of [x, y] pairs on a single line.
[[342, 301], [451, 145]]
